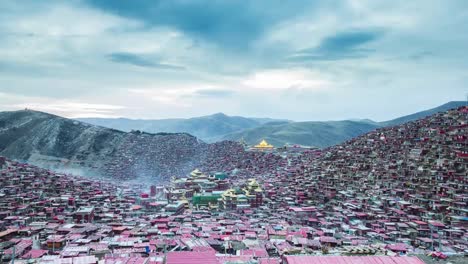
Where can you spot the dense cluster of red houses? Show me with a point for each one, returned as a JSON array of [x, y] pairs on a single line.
[[159, 157], [390, 192], [405, 185], [143, 155]]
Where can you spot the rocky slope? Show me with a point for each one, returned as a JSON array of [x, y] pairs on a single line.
[[75, 147], [55, 142]]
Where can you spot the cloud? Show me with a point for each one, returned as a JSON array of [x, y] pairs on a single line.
[[214, 93], [68, 108], [76, 108], [343, 45], [232, 24], [286, 79], [237, 57], [421, 55], [168, 97], [141, 61]]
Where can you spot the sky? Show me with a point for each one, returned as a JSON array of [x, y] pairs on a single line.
[[299, 60]]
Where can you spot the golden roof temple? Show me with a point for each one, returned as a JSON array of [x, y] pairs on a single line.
[[263, 145]]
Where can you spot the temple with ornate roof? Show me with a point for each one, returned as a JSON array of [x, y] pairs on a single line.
[[263, 145]]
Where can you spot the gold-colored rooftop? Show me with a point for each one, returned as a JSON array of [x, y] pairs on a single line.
[[264, 145]]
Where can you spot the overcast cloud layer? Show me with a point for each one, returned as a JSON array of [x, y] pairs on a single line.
[[300, 60]]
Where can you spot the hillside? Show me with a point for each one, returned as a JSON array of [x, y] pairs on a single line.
[[411, 173], [26, 135], [391, 182], [422, 114], [319, 134], [75, 147], [219, 127], [55, 142], [327, 133], [208, 128]]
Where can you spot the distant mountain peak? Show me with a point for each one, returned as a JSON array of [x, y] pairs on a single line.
[[363, 120], [220, 114], [219, 126]]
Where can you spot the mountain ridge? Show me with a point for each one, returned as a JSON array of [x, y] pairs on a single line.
[[326, 133], [423, 113], [53, 142], [209, 128], [219, 126], [312, 133]]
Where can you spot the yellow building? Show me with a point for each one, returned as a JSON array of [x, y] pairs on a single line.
[[197, 174], [263, 145], [185, 201], [249, 197], [253, 186]]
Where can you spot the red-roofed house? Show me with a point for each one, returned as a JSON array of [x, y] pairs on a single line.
[[351, 260], [183, 257]]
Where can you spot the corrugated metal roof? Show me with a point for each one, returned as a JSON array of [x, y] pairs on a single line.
[[85, 260], [184, 257], [352, 260]]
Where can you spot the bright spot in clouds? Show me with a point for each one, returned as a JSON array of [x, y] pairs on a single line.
[[285, 79]]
